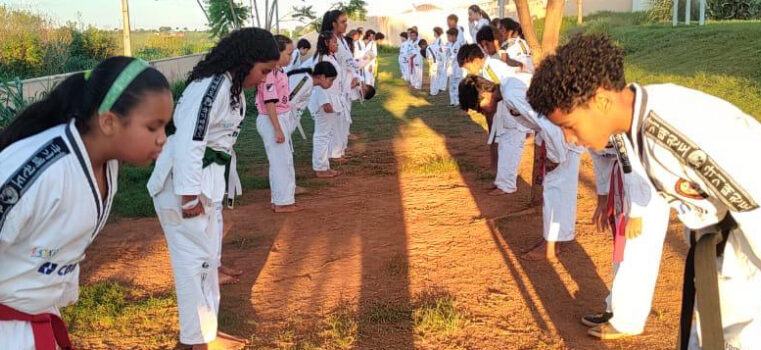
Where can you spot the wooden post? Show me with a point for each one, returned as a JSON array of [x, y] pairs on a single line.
[[126, 29]]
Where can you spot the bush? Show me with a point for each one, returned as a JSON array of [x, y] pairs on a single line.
[[11, 101], [733, 9], [384, 48]]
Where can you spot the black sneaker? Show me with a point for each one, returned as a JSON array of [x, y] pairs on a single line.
[[595, 320]]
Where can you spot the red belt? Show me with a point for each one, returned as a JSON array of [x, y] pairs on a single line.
[[617, 220], [48, 328]]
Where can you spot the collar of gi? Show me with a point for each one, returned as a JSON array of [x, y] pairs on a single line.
[[121, 83]]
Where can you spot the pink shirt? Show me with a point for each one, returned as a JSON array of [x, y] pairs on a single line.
[[275, 89]]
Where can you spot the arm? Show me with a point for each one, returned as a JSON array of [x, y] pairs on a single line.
[[267, 92]]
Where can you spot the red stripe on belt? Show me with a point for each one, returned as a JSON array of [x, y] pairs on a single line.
[[617, 220], [48, 328]]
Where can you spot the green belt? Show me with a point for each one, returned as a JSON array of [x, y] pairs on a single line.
[[216, 157]]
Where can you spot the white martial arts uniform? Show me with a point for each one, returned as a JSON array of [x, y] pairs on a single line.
[[301, 85], [504, 130], [207, 124], [635, 276], [404, 62], [326, 125], [560, 184], [431, 56], [282, 174], [416, 66], [348, 67], [371, 52], [297, 61], [439, 47], [518, 49], [698, 152], [454, 72], [51, 209], [474, 27]]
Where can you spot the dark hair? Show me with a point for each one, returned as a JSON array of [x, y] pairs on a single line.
[[420, 44], [478, 10], [453, 31], [404, 35], [328, 19], [470, 90], [370, 93], [79, 98], [368, 33], [571, 77], [486, 33], [494, 21], [511, 24], [453, 17], [379, 36], [282, 41], [237, 53], [469, 52], [438, 30], [413, 31], [323, 44], [350, 43], [325, 68], [352, 32], [303, 44]]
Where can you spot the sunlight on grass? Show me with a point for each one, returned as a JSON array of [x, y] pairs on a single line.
[[436, 314]]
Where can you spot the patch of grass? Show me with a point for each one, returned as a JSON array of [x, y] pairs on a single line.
[[383, 312], [430, 164], [341, 328], [110, 311], [132, 199], [436, 314]]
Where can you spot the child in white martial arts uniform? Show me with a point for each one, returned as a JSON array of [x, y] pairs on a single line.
[[371, 54], [439, 83], [404, 63], [433, 68], [274, 126], [477, 19], [417, 64], [60, 163], [311, 85], [300, 56], [638, 218], [188, 181], [454, 72], [328, 121], [562, 167], [508, 135], [514, 49], [687, 143]]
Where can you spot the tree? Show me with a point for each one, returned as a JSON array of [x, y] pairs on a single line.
[[165, 29], [551, 34], [225, 16], [354, 9]]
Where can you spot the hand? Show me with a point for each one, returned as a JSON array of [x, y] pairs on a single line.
[[633, 228], [194, 211], [279, 136], [354, 83], [328, 108], [523, 68], [600, 217]]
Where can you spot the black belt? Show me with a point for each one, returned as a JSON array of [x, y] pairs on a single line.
[[700, 271]]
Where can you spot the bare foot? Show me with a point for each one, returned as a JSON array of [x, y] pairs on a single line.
[[300, 190], [490, 186], [353, 137], [286, 208], [326, 174], [542, 251], [341, 160], [227, 342], [225, 279], [230, 271], [498, 192]]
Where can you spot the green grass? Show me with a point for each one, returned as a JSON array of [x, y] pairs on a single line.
[[110, 310], [437, 314]]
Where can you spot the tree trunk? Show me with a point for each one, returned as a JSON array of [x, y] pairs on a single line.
[[527, 24], [579, 12], [552, 22]]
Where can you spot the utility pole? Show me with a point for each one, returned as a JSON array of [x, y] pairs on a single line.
[[675, 14], [687, 11], [125, 29], [702, 20]]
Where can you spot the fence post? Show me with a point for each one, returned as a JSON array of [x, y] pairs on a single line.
[[702, 19], [687, 10], [675, 13]]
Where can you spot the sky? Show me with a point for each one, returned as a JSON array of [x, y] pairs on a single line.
[[151, 14]]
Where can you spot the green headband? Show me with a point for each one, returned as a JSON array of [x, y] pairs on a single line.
[[121, 83]]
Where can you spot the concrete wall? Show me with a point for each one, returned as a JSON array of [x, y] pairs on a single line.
[[174, 68], [592, 6]]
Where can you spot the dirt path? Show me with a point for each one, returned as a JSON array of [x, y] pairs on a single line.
[[397, 254]]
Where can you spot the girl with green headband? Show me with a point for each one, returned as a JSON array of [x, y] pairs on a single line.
[[188, 182], [60, 160]]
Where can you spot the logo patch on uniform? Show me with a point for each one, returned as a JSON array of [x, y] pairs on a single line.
[[270, 87], [19, 182], [724, 187], [688, 189], [44, 253], [514, 112], [202, 123]]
